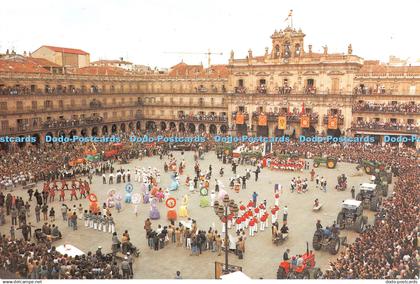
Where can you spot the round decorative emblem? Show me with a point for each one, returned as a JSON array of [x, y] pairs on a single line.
[[170, 202], [129, 188], [204, 191], [92, 197]]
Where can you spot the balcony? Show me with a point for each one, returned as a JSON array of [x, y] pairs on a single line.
[[93, 107], [340, 119], [202, 118], [57, 125], [291, 117], [375, 126], [399, 108]]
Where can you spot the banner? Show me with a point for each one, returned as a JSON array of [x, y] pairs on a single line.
[[282, 123], [262, 120], [332, 122], [304, 121], [240, 119]]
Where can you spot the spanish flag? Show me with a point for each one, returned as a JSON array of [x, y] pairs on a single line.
[[240, 119], [262, 120], [332, 122], [304, 121], [282, 122]]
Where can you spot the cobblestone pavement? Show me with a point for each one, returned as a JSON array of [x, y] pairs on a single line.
[[261, 258]]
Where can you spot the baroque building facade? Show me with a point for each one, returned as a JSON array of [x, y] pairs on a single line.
[[290, 90]]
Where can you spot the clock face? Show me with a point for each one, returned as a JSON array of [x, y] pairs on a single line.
[[171, 203]]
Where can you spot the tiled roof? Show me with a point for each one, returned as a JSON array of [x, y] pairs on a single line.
[[42, 62], [103, 61], [22, 66], [66, 50], [184, 70]]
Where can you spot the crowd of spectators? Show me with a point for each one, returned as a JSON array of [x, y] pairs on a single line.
[[24, 90], [409, 107], [389, 248], [381, 125], [364, 90], [285, 90], [202, 117], [61, 123], [293, 116]]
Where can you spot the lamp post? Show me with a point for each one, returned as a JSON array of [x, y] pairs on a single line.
[[223, 210]]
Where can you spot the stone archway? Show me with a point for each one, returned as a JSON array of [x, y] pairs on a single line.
[[213, 129], [150, 126], [201, 128], [61, 133], [138, 125], [37, 139], [223, 128], [104, 130], [308, 131], [114, 129], [191, 127], [262, 131], [21, 144], [172, 125], [241, 129], [181, 127], [334, 132], [50, 134], [122, 127], [72, 133], [84, 132], [162, 126], [131, 126], [95, 131]]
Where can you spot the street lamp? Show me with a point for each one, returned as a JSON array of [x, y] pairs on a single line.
[[223, 210]]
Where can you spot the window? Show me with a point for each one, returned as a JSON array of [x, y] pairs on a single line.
[[3, 105], [4, 124], [393, 120], [19, 105], [262, 81], [241, 109], [309, 82], [240, 82], [359, 118], [412, 90], [33, 88], [410, 121]]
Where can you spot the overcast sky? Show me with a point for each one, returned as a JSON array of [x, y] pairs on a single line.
[[145, 31]]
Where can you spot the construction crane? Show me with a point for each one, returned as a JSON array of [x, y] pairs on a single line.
[[209, 54]]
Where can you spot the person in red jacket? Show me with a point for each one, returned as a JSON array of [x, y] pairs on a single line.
[[62, 194], [73, 193], [251, 227], [82, 191], [52, 194]]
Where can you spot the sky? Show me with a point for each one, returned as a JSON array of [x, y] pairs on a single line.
[[153, 32]]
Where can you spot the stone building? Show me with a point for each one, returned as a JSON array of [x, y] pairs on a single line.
[[289, 90]]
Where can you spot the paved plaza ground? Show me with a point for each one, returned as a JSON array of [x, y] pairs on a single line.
[[261, 258]]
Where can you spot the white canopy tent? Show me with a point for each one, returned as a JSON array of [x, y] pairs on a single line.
[[235, 277], [69, 250]]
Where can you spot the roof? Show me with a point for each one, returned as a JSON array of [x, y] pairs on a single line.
[[352, 203], [66, 50], [198, 71], [104, 61], [42, 62], [24, 65]]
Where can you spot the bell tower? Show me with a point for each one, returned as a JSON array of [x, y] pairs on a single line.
[[287, 43]]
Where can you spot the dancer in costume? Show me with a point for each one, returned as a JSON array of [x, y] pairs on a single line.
[[154, 212], [183, 210]]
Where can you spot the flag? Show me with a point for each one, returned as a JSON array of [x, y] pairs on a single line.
[[304, 121], [240, 118], [303, 108], [332, 122], [262, 120], [282, 122], [288, 109], [290, 14]]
